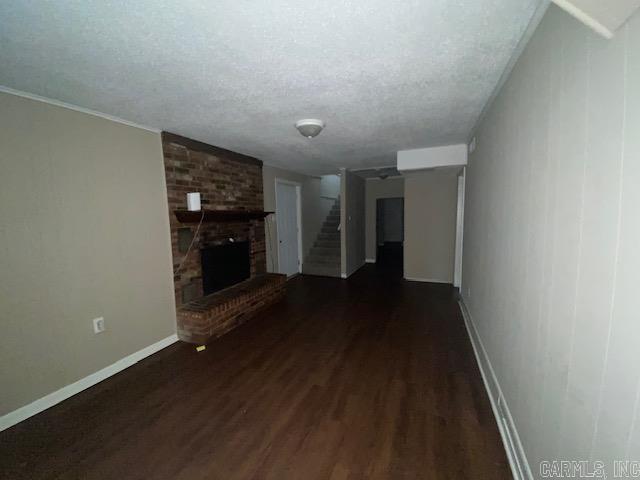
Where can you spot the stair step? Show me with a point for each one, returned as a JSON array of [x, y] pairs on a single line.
[[326, 249], [320, 270], [324, 257], [331, 251], [327, 244], [335, 235], [322, 260], [314, 256]]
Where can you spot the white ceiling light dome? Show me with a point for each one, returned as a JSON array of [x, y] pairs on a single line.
[[310, 127]]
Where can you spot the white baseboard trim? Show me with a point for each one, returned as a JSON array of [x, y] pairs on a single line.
[[518, 462], [347, 275], [426, 280], [370, 260], [48, 401]]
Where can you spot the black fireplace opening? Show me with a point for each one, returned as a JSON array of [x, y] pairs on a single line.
[[225, 265]]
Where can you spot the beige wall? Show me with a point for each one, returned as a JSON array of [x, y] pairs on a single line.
[[84, 232], [376, 188], [551, 245], [315, 209], [352, 232], [430, 224]]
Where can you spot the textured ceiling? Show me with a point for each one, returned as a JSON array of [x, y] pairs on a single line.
[[384, 75]]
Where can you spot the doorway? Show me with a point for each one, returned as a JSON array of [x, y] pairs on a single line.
[[288, 227], [389, 230]]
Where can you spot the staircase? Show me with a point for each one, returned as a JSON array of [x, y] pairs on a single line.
[[324, 256]]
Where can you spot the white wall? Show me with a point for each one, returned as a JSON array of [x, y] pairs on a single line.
[[330, 186], [604, 17], [352, 213], [432, 157], [552, 236], [84, 233], [376, 188], [315, 209], [430, 225]]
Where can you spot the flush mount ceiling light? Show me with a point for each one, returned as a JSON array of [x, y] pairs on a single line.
[[310, 127]]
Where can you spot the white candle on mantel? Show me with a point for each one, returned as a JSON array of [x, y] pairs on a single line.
[[193, 201]]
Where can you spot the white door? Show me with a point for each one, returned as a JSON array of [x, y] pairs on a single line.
[[287, 225]]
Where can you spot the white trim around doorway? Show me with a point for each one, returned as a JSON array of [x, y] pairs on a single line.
[[298, 186]]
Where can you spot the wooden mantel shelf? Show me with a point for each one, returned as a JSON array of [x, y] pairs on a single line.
[[187, 216]]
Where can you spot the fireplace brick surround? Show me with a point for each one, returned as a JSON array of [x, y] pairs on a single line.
[[226, 181], [214, 315]]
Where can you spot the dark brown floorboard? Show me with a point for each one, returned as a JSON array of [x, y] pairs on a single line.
[[368, 378]]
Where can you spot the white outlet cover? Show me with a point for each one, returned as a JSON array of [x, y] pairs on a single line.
[[98, 325]]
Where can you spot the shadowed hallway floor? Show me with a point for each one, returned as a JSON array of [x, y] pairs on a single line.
[[373, 377]]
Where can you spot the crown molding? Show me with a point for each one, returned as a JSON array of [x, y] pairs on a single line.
[[58, 103]]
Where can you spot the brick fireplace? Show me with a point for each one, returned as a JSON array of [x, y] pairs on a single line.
[[227, 181]]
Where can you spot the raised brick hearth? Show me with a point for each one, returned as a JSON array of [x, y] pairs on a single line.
[[214, 315], [226, 181]]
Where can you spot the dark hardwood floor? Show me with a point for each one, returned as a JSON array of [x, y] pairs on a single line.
[[368, 378]]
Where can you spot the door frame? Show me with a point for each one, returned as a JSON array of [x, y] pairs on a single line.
[[298, 186], [457, 263]]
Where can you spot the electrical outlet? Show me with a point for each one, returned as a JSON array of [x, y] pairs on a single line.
[[98, 325]]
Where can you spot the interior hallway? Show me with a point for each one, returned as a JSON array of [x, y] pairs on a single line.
[[335, 382]]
